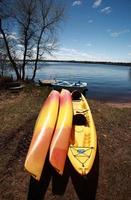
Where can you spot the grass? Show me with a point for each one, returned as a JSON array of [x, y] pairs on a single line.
[[18, 113], [17, 108]]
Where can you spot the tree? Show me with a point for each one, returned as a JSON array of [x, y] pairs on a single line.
[[3, 57], [5, 14], [25, 17], [49, 16], [35, 24]]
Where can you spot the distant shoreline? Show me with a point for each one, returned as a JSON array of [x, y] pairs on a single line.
[[84, 62], [89, 62]]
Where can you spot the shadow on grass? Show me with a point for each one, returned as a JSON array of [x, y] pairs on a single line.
[[37, 189], [85, 187], [59, 182]]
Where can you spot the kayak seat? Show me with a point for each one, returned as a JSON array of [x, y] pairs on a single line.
[[76, 95], [79, 120], [82, 111]]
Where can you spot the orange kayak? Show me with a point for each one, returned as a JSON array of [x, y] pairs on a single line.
[[43, 132], [60, 142]]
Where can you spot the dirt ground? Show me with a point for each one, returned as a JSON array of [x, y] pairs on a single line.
[[119, 105], [109, 177]]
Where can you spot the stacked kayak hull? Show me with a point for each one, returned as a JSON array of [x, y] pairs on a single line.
[[83, 142], [60, 142], [65, 124], [42, 135]]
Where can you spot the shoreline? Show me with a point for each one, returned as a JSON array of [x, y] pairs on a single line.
[[113, 103], [86, 62]]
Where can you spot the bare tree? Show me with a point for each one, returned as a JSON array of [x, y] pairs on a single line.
[[3, 57], [5, 14], [26, 25], [49, 16], [35, 25]]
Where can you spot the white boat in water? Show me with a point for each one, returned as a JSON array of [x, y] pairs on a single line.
[[80, 86], [47, 82], [60, 84]]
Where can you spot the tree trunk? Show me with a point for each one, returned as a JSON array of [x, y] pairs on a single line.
[[23, 66], [8, 52], [2, 72], [34, 72], [37, 54], [24, 58]]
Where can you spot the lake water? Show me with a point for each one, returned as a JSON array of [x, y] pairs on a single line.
[[105, 82]]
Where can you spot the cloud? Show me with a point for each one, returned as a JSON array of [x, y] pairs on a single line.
[[79, 55], [106, 10], [129, 54], [75, 54], [88, 44], [97, 3], [109, 30], [74, 40], [72, 54], [12, 36], [90, 21], [76, 3], [20, 45], [117, 34]]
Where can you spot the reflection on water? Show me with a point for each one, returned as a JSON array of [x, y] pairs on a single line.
[[130, 73], [106, 82]]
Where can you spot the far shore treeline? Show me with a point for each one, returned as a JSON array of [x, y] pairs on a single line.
[[76, 61]]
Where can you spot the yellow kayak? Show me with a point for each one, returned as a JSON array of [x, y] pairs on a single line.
[[61, 138], [43, 132], [83, 142]]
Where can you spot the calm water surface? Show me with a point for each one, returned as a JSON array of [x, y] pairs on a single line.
[[105, 82]]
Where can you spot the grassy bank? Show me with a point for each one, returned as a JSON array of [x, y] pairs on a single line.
[[18, 112]]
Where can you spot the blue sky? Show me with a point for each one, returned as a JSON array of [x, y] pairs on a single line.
[[97, 30]]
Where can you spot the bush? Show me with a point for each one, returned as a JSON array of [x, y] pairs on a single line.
[[4, 81]]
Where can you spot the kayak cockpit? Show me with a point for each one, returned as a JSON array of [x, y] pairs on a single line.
[[79, 120], [76, 95]]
